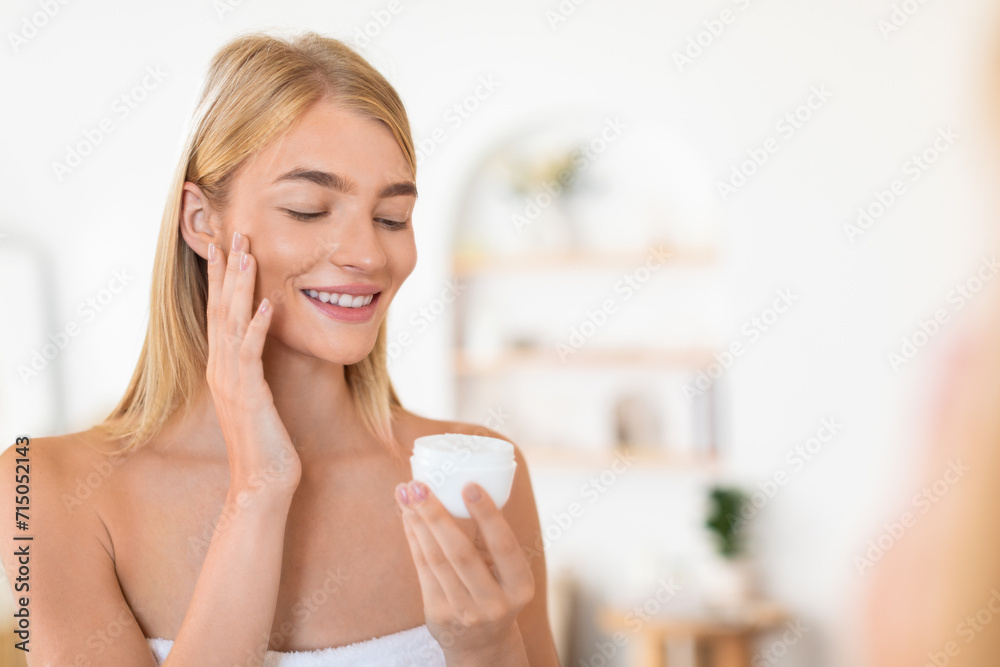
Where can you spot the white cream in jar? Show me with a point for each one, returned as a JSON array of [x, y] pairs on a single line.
[[446, 462]]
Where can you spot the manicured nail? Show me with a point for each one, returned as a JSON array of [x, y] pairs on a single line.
[[264, 305], [472, 493], [401, 494], [244, 260], [213, 253], [418, 490], [237, 240]]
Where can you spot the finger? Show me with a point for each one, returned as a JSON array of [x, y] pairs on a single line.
[[214, 315], [456, 549], [241, 305], [454, 590], [251, 369], [511, 566], [428, 582], [232, 267], [238, 281]]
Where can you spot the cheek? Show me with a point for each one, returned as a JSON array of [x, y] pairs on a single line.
[[401, 254], [276, 264]]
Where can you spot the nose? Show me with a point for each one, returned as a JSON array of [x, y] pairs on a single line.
[[358, 247]]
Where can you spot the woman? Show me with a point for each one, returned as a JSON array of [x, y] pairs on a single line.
[[247, 497]]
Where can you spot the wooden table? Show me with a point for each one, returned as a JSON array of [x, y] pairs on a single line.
[[720, 640]]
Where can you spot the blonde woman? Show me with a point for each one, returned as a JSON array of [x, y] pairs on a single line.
[[247, 502]]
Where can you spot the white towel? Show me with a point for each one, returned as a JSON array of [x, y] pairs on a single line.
[[414, 647]]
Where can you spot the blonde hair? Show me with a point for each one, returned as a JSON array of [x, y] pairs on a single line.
[[257, 85]]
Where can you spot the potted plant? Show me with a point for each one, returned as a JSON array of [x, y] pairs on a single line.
[[728, 581]]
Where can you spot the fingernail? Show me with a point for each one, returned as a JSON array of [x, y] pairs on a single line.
[[418, 490], [472, 493], [264, 305], [243, 261], [401, 494], [237, 240], [213, 253]]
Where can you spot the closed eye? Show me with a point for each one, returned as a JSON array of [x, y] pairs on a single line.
[[392, 224], [299, 215], [302, 215]]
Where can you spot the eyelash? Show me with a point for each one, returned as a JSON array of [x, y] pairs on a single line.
[[390, 224]]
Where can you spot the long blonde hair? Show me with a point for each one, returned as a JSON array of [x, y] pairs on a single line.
[[256, 87]]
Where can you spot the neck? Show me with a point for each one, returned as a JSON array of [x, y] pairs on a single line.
[[311, 396]]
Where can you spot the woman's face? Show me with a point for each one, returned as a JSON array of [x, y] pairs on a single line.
[[327, 209]]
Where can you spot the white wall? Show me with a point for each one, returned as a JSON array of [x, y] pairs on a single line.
[[826, 357]]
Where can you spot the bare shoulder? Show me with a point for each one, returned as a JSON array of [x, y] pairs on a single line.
[[66, 565], [54, 475]]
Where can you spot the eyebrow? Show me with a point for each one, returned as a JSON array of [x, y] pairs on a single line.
[[344, 184]]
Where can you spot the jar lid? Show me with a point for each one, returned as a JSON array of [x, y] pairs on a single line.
[[468, 450]]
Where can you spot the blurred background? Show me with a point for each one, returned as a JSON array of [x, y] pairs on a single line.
[[700, 260]]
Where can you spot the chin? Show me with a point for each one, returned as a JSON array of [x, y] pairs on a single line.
[[346, 353]]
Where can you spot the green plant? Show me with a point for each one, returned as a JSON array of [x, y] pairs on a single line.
[[725, 519]]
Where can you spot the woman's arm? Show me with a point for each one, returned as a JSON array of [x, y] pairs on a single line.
[[521, 513], [78, 615], [232, 609], [65, 576]]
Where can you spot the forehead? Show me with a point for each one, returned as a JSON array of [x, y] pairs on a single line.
[[333, 138]]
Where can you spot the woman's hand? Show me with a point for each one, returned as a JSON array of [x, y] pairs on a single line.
[[469, 610], [260, 451]]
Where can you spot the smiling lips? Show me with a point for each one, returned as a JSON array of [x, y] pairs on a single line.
[[353, 303], [343, 300]]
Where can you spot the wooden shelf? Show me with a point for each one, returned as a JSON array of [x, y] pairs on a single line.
[[514, 359], [469, 263], [647, 457]]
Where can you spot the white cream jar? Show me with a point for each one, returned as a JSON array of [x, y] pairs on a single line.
[[446, 462]]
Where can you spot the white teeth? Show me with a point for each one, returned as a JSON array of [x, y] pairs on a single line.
[[343, 300]]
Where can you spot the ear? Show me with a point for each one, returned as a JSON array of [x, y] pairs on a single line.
[[200, 223]]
